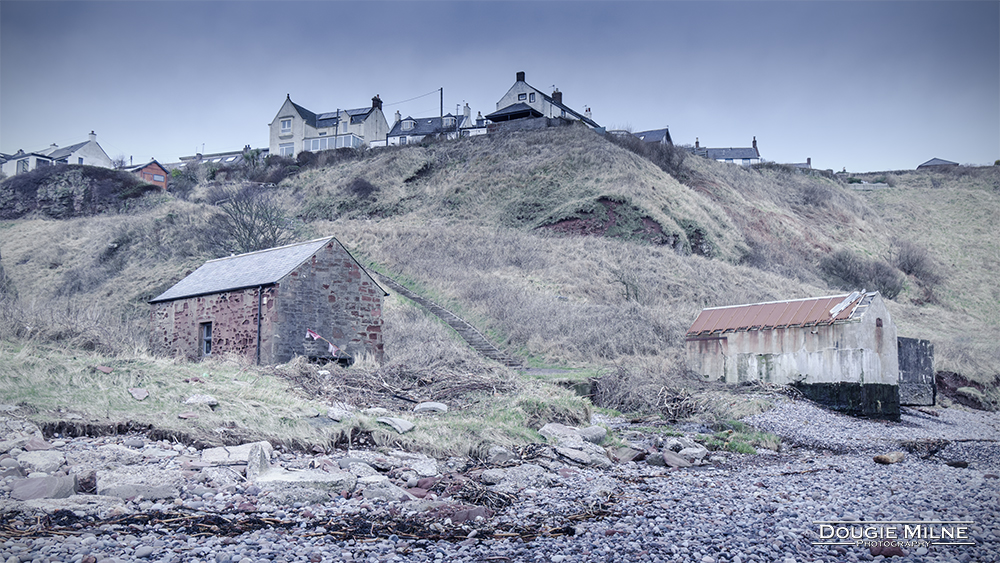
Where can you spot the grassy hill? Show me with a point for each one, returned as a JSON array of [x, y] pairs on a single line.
[[566, 248]]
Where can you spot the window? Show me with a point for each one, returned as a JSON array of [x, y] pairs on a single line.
[[449, 122], [286, 126], [286, 149], [22, 165], [79, 160], [402, 140], [205, 337], [522, 97], [158, 177], [408, 124], [531, 98]]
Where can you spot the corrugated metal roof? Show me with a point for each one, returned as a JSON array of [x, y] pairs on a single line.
[[263, 267], [797, 312]]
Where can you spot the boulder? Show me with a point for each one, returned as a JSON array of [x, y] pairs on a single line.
[[498, 456], [492, 476], [385, 490], [41, 461], [310, 484], [43, 487], [258, 461], [559, 432], [137, 480], [890, 458], [232, 455], [694, 454], [574, 455], [594, 434], [671, 459], [522, 477], [678, 443], [340, 412], [108, 456], [202, 400]]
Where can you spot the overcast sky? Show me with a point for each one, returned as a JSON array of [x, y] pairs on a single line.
[[859, 85]]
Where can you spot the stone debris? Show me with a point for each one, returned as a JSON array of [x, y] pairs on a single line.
[[400, 425], [208, 400], [430, 406], [138, 394], [339, 412]]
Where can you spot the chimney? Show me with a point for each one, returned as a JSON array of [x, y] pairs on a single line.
[[557, 96], [586, 112], [93, 137], [376, 102], [480, 119], [398, 117], [809, 162], [467, 111], [696, 145], [520, 76], [458, 110], [755, 143]]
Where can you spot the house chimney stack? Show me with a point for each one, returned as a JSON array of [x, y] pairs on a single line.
[[520, 76], [557, 95], [696, 143], [467, 111], [755, 143], [93, 137], [479, 119], [376, 102], [809, 162], [398, 117], [586, 113]]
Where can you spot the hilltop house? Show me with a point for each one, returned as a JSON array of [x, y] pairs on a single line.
[[658, 136], [745, 156], [152, 173], [526, 107], [413, 130], [87, 152], [840, 350], [264, 305], [937, 164], [296, 129]]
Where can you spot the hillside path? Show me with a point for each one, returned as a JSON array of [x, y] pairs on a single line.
[[473, 337]]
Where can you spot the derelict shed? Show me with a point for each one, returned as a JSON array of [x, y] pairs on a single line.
[[840, 350], [262, 304]]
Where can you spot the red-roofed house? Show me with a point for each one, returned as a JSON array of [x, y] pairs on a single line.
[[840, 349]]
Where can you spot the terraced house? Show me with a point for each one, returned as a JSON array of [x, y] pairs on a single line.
[[296, 129]]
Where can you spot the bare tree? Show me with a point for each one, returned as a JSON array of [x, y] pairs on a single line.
[[251, 218], [119, 162]]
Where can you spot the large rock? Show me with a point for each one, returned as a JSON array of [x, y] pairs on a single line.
[[385, 490], [319, 484], [42, 487], [694, 454], [137, 480], [400, 425], [523, 477], [41, 461], [233, 455], [890, 458], [559, 432], [258, 461], [498, 455], [594, 434], [108, 456]]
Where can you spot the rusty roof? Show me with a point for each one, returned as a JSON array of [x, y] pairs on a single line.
[[777, 314]]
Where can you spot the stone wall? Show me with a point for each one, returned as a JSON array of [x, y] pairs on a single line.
[[176, 325]]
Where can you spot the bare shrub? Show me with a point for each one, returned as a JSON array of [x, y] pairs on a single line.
[[914, 260], [669, 158], [251, 219], [361, 188], [74, 323], [847, 270], [644, 390]]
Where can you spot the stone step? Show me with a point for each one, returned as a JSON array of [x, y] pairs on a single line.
[[472, 337]]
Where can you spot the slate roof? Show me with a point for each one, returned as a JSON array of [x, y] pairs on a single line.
[[330, 118], [263, 267], [780, 314], [423, 126], [64, 152], [735, 154], [655, 136], [938, 162], [515, 111]]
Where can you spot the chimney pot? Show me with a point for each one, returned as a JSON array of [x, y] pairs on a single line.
[[398, 117], [696, 143], [520, 76], [809, 162], [755, 142], [93, 136], [557, 95]]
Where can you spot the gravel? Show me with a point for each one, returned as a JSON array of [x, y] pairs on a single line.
[[741, 508]]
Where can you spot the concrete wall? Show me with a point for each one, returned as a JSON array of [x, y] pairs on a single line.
[[861, 351], [917, 385]]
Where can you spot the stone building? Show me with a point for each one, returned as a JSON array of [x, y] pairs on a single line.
[[263, 305], [839, 350]]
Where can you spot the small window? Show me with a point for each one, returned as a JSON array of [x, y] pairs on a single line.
[[531, 98], [402, 140], [206, 339], [286, 149], [158, 177], [79, 160], [22, 166], [286, 126], [407, 125], [522, 97]]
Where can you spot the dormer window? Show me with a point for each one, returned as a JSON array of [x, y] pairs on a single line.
[[449, 121], [286, 126], [408, 124]]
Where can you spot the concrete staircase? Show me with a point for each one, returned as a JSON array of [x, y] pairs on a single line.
[[473, 337]]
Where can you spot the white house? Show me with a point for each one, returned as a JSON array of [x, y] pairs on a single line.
[[745, 155], [296, 129], [524, 101], [88, 152], [411, 130]]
